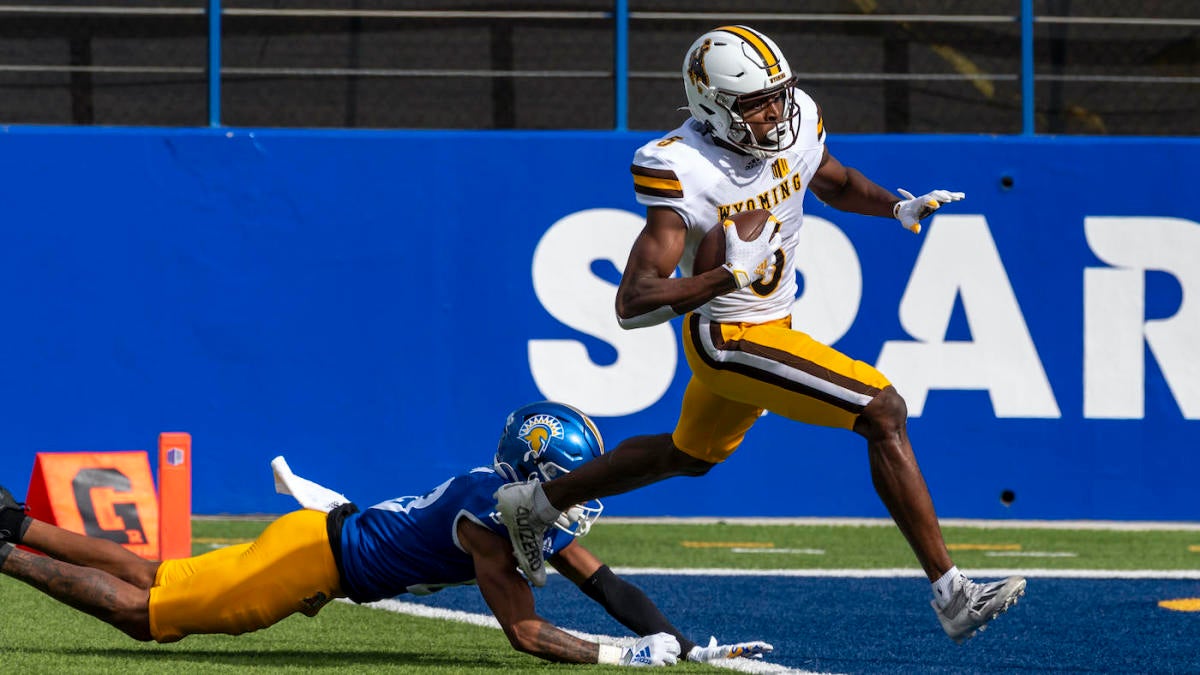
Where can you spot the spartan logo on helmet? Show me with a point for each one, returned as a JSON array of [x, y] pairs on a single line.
[[696, 72], [537, 432]]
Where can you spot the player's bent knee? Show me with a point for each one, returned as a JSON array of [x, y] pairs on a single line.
[[886, 414], [696, 467], [683, 464]]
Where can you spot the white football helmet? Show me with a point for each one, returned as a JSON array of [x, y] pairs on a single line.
[[730, 69]]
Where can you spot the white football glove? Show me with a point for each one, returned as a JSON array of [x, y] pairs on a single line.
[[748, 261], [716, 652], [660, 649], [910, 210]]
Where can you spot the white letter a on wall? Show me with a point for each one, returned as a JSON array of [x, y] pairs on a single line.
[[959, 259]]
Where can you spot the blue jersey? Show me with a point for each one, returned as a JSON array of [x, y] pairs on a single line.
[[410, 544]]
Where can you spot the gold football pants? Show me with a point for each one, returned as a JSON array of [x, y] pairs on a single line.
[[233, 590], [740, 369]]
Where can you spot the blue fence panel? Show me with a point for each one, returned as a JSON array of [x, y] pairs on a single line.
[[371, 304]]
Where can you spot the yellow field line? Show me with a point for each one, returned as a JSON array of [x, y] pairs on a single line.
[[1194, 548], [1181, 605]]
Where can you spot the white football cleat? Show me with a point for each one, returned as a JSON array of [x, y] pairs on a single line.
[[514, 501], [972, 606]]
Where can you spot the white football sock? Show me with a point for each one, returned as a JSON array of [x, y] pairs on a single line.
[[944, 586]]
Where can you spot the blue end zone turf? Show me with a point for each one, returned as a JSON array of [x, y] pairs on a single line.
[[850, 625]]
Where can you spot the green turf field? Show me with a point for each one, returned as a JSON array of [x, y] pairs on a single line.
[[38, 635]]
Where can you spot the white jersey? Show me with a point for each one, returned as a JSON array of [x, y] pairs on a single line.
[[704, 182]]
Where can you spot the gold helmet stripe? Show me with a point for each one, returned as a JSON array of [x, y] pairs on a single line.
[[770, 60]]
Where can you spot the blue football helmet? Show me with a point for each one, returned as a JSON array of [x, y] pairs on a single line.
[[544, 440]]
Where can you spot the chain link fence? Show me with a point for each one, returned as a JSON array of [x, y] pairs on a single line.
[[875, 66]]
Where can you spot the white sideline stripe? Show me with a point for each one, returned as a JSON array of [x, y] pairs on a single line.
[[898, 572], [1116, 525], [489, 621], [485, 620]]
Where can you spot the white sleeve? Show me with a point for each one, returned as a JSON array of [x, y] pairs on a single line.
[[655, 182]]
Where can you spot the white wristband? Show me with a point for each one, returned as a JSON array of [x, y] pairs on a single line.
[[610, 655]]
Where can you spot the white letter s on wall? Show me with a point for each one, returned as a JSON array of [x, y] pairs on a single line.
[[566, 287]]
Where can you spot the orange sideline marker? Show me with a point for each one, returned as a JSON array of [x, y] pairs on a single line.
[[175, 494]]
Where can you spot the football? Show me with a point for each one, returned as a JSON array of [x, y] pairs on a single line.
[[711, 251]]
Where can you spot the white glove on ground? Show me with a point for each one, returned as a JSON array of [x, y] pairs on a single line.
[[716, 652], [660, 649], [911, 210], [747, 261]]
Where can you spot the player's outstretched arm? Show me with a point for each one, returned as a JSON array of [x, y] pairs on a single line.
[[847, 189], [631, 606], [511, 601]]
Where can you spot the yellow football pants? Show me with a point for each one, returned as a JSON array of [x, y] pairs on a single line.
[[233, 590], [740, 369]]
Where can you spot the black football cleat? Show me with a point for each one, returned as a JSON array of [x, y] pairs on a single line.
[[10, 524]]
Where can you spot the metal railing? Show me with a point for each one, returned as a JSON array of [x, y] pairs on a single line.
[[621, 17]]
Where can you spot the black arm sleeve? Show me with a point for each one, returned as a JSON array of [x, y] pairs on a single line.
[[630, 605]]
